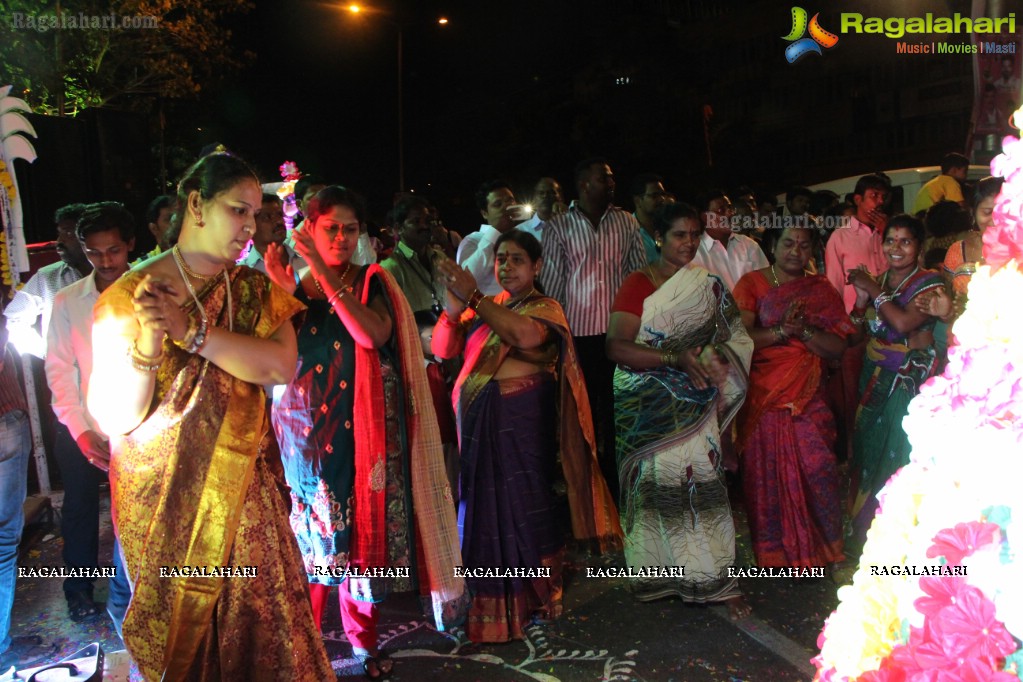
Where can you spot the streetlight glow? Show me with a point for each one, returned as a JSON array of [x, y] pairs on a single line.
[[397, 23]]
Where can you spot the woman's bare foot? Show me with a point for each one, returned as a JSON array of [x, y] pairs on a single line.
[[738, 608]]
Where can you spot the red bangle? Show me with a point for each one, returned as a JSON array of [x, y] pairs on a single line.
[[475, 299]]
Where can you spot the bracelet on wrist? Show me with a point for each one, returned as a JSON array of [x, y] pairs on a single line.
[[474, 300], [144, 363], [669, 359], [807, 333], [201, 337], [857, 319], [881, 299], [189, 338], [196, 341], [779, 334], [336, 296]]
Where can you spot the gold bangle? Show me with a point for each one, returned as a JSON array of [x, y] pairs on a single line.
[[144, 363], [193, 328]]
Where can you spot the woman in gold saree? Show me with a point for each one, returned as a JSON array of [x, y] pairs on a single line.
[[183, 345]]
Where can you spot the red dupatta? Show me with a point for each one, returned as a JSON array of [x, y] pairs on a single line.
[[434, 517], [369, 541]]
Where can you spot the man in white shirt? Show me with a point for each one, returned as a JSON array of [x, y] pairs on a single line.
[[724, 252], [270, 230], [106, 232], [476, 252], [548, 202], [35, 300]]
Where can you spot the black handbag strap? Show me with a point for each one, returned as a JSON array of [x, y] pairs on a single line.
[[70, 666], [94, 650]]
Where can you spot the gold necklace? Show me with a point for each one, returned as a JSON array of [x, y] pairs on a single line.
[[515, 305], [179, 258], [182, 268], [343, 275], [656, 277], [774, 276]]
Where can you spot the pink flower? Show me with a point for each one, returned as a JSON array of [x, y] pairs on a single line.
[[963, 540], [289, 171], [822, 675], [940, 591], [1003, 242], [928, 648], [975, 670], [901, 658], [969, 629]]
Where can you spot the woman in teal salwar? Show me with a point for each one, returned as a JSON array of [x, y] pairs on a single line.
[[900, 357]]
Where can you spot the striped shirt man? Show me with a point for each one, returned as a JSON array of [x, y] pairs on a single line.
[[35, 300], [584, 266]]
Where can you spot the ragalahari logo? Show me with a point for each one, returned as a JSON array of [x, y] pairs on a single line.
[[801, 46]]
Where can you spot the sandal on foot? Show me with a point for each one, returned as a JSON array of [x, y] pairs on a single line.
[[377, 667], [81, 607]]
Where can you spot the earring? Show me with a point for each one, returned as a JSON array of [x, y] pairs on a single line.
[[658, 241]]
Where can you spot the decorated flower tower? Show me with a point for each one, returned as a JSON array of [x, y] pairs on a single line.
[[958, 504], [14, 144]]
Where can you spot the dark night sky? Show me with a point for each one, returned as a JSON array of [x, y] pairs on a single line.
[[323, 92], [523, 89]]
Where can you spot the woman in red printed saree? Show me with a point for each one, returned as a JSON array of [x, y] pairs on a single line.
[[183, 345], [786, 432], [519, 400], [359, 438]]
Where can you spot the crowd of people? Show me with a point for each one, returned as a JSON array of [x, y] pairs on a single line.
[[417, 410]]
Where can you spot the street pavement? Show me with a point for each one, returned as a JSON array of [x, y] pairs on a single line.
[[604, 633]]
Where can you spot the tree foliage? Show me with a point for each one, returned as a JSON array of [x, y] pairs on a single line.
[[61, 67]]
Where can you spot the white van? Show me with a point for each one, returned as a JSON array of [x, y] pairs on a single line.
[[906, 183]]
